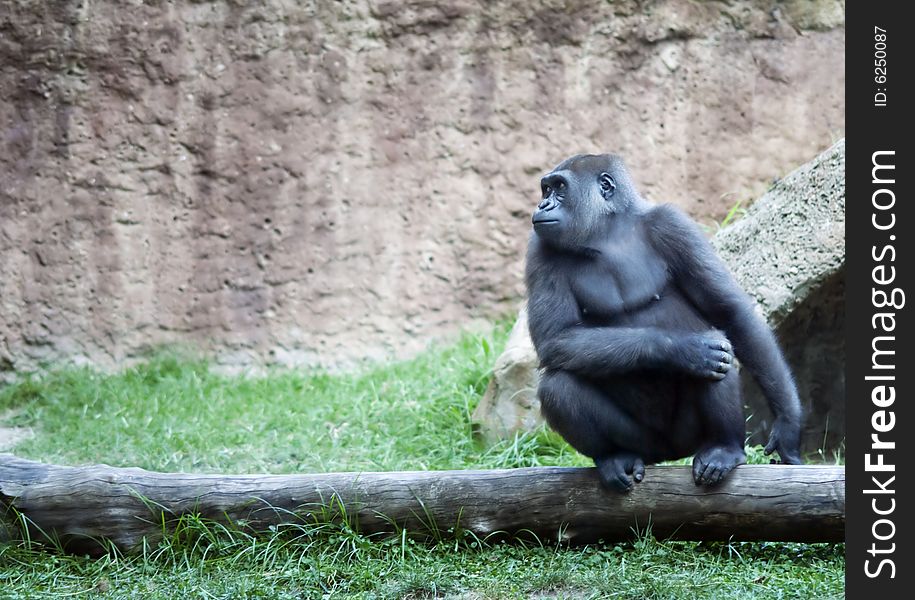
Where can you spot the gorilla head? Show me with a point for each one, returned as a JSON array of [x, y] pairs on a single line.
[[579, 195]]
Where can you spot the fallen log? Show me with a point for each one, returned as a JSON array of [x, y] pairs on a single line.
[[80, 505]]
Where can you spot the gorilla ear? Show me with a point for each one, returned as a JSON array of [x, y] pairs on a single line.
[[607, 185]]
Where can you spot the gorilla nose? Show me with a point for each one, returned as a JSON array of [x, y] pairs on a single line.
[[544, 204]]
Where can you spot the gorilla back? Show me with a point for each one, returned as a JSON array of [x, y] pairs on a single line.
[[636, 323]]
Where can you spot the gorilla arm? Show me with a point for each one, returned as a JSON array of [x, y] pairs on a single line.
[[703, 278], [563, 342]]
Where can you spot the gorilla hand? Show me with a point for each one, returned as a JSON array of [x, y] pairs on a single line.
[[785, 438], [704, 355]]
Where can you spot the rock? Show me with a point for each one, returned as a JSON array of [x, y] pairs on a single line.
[[788, 252], [510, 403], [793, 238]]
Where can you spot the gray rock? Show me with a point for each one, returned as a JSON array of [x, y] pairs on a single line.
[[788, 252], [793, 238], [510, 403]]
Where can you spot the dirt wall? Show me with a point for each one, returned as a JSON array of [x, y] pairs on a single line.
[[322, 182]]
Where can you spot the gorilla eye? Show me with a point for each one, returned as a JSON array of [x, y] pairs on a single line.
[[606, 183]]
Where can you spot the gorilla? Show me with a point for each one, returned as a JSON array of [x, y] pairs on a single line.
[[636, 322]]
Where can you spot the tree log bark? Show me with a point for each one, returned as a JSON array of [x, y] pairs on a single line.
[[79, 505]]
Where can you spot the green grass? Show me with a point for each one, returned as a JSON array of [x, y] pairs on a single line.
[[173, 413]]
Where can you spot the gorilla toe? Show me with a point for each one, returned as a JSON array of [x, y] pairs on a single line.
[[712, 465], [615, 471]]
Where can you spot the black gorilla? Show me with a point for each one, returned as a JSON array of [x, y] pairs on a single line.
[[636, 321]]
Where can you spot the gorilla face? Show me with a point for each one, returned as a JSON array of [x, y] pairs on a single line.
[[576, 196]]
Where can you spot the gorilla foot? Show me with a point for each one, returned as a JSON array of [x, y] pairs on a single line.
[[614, 471], [711, 465]]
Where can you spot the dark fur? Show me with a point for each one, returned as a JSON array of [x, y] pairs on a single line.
[[636, 320]]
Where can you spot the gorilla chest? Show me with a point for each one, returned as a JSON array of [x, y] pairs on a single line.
[[616, 284]]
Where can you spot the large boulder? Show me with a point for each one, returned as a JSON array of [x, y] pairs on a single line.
[[510, 403], [788, 252]]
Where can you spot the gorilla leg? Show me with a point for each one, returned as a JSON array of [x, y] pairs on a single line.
[[597, 427], [721, 414]]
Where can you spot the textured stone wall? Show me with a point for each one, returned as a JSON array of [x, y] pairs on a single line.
[[320, 182]]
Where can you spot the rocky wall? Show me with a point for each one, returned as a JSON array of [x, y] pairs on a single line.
[[323, 182]]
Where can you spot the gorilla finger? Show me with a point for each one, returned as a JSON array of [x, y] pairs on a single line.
[[725, 358], [699, 468], [623, 483], [790, 458], [770, 447], [718, 343], [714, 343], [716, 375]]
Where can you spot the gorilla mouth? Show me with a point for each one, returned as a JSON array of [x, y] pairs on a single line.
[[545, 221]]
